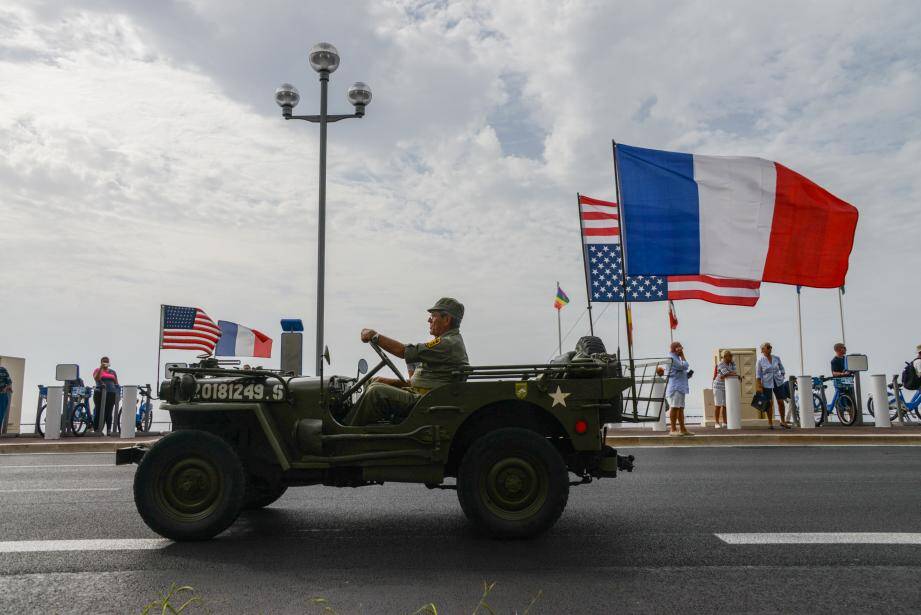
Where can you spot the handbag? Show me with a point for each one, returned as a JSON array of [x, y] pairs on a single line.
[[760, 402]]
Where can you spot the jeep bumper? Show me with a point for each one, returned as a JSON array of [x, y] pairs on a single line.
[[131, 454]]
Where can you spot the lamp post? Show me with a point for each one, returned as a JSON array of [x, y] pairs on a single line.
[[324, 58]]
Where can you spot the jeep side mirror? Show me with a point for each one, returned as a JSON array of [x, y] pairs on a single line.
[[326, 354], [362, 368]]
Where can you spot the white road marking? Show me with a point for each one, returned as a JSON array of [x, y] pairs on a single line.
[[124, 544], [78, 465], [823, 538], [49, 490]]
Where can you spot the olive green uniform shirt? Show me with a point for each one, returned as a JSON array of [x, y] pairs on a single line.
[[436, 358]]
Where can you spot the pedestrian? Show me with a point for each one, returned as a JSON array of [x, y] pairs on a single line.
[[917, 362], [106, 380], [726, 368], [837, 362], [6, 394], [771, 382], [678, 374]]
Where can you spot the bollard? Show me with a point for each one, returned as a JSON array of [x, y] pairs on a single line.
[[129, 411], [733, 402], [806, 411], [658, 392], [53, 413], [880, 400]]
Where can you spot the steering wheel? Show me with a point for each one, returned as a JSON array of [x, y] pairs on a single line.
[[388, 362]]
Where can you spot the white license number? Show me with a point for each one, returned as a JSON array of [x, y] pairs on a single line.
[[228, 391]]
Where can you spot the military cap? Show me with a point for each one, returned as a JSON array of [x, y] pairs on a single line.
[[449, 306]]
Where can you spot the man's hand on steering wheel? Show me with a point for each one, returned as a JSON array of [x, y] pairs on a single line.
[[370, 336]]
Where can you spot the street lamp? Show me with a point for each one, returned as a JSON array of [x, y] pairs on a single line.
[[324, 58]]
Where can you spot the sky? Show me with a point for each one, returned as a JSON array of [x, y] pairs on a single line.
[[143, 161]]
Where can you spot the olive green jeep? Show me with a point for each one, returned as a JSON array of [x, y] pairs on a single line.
[[509, 436]]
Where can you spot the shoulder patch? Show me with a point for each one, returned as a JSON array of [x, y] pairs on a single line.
[[433, 342]]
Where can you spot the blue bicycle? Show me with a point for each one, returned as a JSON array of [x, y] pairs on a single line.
[[842, 402], [143, 413], [144, 416], [913, 405]]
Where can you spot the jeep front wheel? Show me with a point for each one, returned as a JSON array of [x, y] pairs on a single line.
[[189, 486], [513, 483]]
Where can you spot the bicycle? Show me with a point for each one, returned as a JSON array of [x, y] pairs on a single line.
[[40, 410], [143, 414], [901, 406], [81, 417], [842, 402]]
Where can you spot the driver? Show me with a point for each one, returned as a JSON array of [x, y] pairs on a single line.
[[387, 398]]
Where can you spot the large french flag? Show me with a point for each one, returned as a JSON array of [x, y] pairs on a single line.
[[735, 217], [239, 341]]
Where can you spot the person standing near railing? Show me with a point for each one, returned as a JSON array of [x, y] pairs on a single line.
[[6, 394], [106, 379], [678, 374]]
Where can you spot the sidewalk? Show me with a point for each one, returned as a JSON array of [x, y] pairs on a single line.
[[829, 435], [30, 443]]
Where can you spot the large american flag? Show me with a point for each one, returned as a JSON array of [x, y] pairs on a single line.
[[187, 328], [604, 263]]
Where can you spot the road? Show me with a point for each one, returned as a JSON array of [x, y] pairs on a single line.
[[644, 542]]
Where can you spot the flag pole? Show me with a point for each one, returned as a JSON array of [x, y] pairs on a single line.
[[841, 312], [799, 325], [159, 350], [559, 326], [668, 313], [588, 287], [623, 278]]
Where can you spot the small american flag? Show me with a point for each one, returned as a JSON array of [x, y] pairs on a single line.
[[187, 328], [604, 261], [600, 221]]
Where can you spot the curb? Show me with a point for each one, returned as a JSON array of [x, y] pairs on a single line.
[[767, 440], [56, 446]]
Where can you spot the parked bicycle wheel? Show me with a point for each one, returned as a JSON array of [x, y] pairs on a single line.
[[81, 420], [40, 420], [818, 409], [846, 409], [147, 419], [893, 408]]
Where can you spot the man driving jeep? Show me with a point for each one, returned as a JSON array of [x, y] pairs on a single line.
[[391, 398]]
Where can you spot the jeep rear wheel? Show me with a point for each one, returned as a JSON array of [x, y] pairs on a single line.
[[260, 493], [513, 483], [189, 486]]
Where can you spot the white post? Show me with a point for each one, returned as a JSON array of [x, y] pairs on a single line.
[[658, 392], [53, 412], [880, 400], [804, 392], [129, 405], [733, 402]]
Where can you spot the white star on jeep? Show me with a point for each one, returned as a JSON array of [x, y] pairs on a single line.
[[559, 397]]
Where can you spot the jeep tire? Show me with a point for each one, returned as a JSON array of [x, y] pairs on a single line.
[[513, 483], [260, 493], [189, 486]]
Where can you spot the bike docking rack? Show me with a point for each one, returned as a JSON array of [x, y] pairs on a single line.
[[70, 409]]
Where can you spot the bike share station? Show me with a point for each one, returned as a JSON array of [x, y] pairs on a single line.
[[808, 392], [60, 405]]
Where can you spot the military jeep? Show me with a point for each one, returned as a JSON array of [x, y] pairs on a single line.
[[509, 436]]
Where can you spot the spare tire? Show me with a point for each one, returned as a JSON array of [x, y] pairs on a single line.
[[589, 345]]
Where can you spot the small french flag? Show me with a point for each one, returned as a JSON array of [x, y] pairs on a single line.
[[239, 341]]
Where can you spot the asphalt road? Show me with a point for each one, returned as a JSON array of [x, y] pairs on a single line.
[[644, 542]]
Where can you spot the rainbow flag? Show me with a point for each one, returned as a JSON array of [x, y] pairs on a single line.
[[561, 299]]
